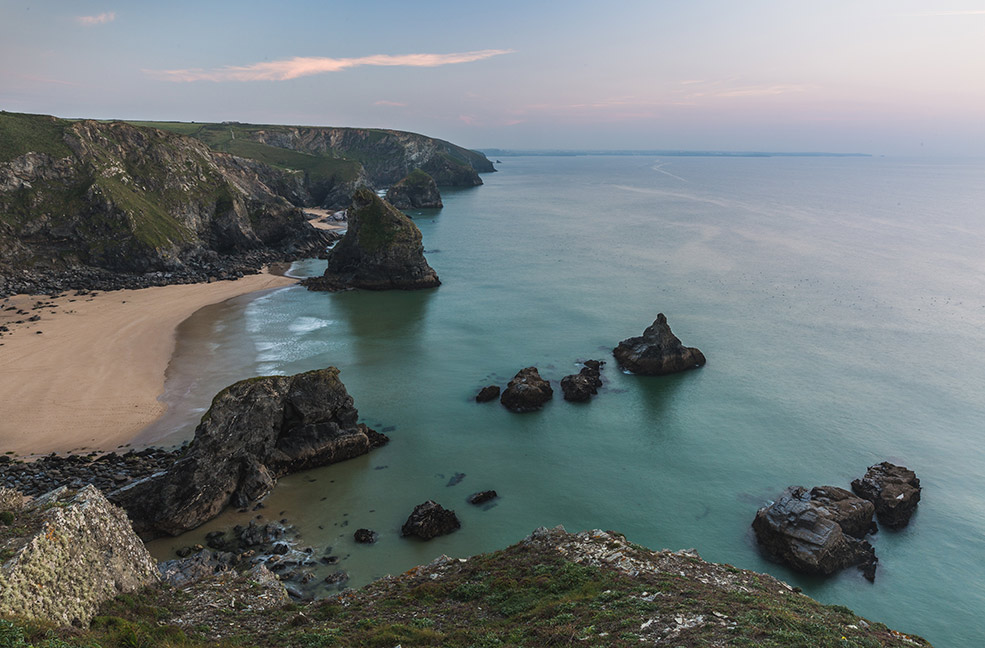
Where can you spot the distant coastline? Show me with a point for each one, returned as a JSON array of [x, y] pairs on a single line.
[[495, 152]]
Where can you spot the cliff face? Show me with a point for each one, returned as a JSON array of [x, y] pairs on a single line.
[[415, 191], [73, 551], [114, 196]]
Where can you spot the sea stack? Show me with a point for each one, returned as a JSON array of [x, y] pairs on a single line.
[[657, 352], [417, 190], [381, 250]]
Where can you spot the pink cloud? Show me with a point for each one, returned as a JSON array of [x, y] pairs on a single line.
[[100, 19], [306, 66]]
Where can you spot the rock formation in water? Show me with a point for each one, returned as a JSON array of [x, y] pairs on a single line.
[[66, 552], [894, 490], [481, 497], [417, 190], [381, 250], [657, 352], [255, 431], [487, 393], [583, 385], [430, 520], [526, 392], [818, 531]]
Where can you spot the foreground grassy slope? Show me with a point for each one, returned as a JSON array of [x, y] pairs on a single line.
[[591, 589]]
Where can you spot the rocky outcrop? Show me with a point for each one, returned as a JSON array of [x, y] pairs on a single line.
[[430, 520], [894, 490], [77, 550], [481, 497], [583, 385], [125, 199], [381, 250], [255, 431], [817, 531], [487, 393], [417, 190], [527, 391], [657, 352]]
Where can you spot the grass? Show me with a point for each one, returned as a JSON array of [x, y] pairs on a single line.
[[20, 133]]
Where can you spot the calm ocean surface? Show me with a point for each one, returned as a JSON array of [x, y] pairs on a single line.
[[840, 303]]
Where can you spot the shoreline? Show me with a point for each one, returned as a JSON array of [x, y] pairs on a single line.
[[88, 372]]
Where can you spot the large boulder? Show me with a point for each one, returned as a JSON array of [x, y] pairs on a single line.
[[382, 250], [817, 531], [657, 352], [894, 490], [68, 552], [583, 385], [430, 520], [415, 191], [526, 392], [255, 431]]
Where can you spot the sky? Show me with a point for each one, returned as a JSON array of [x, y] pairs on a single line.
[[893, 77]]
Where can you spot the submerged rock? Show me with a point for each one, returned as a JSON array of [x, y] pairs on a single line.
[[527, 391], [381, 250], [894, 490], [255, 431], [803, 529], [657, 352], [74, 551], [416, 190], [482, 497], [430, 520]]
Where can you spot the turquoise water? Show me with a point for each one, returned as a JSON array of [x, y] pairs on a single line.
[[839, 302]]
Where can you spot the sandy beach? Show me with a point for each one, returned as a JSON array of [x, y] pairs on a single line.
[[86, 375]]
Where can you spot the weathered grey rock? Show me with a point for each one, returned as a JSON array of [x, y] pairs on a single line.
[[657, 352], [487, 393], [802, 529], [430, 520], [527, 391], [79, 551], [415, 191], [894, 490], [255, 431], [381, 250]]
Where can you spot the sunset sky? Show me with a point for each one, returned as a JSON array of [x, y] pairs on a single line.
[[882, 77]]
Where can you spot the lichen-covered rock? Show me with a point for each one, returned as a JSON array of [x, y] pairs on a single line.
[[657, 352], [255, 431], [803, 529], [430, 520], [381, 250], [526, 392], [80, 551], [894, 490], [417, 190]]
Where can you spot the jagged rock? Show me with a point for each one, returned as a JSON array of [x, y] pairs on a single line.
[[196, 567], [583, 385], [657, 352], [487, 393], [365, 536], [527, 391], [255, 431], [802, 529], [482, 497], [417, 190], [78, 551], [430, 520], [895, 491], [381, 250]]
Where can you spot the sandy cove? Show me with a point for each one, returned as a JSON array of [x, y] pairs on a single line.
[[88, 373]]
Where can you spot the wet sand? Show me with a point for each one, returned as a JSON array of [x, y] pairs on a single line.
[[87, 375]]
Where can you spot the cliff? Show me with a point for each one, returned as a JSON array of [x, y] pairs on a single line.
[[417, 190], [382, 250], [333, 162], [125, 199]]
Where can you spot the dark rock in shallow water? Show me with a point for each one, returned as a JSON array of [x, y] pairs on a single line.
[[488, 393], [255, 431], [584, 384], [455, 479], [657, 352], [802, 529], [365, 536], [417, 190], [482, 497], [430, 520], [381, 250], [527, 391], [894, 490]]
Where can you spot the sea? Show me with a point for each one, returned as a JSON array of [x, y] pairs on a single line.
[[840, 302]]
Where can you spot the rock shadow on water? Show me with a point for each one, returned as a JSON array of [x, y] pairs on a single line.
[[394, 317]]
